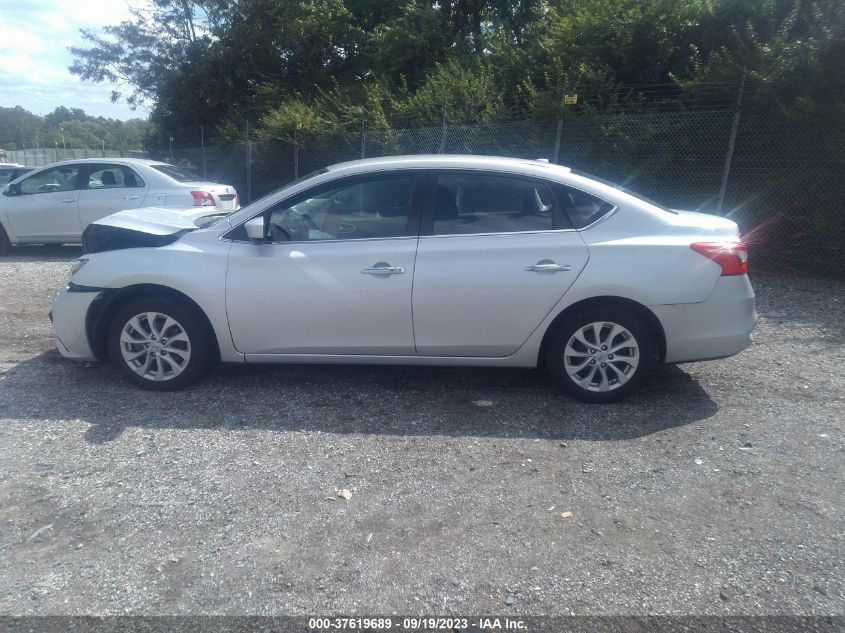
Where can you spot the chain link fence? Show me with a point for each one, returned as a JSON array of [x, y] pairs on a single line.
[[781, 182], [41, 156]]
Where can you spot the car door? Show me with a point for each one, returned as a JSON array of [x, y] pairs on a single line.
[[335, 275], [108, 188], [44, 206], [497, 253]]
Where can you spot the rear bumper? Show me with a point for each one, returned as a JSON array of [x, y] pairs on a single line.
[[717, 327], [68, 316]]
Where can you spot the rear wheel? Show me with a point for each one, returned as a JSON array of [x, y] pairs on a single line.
[[159, 344], [600, 355]]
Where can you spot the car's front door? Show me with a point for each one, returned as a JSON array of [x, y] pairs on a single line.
[[45, 206], [108, 188], [336, 274], [499, 254]]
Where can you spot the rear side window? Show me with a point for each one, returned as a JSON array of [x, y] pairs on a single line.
[[582, 208], [469, 203], [112, 176], [179, 174]]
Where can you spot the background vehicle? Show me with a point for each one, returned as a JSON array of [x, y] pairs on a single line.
[[54, 204], [10, 171], [438, 260]]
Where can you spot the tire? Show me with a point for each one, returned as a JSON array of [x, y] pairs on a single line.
[[604, 375], [5, 245], [183, 357]]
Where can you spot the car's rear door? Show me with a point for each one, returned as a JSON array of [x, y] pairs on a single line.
[[336, 275], [496, 254], [45, 206], [108, 188]]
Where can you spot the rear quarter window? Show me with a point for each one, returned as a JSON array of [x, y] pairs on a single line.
[[179, 174], [582, 208]]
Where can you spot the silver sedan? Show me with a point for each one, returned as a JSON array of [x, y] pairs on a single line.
[[54, 204], [430, 260]]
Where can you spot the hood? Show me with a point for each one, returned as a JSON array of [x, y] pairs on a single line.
[[160, 220], [144, 227]]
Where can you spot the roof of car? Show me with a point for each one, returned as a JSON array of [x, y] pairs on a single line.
[[110, 159], [444, 160]]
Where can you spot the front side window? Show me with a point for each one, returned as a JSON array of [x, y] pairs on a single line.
[[61, 178], [582, 208], [363, 209], [469, 203], [112, 176]]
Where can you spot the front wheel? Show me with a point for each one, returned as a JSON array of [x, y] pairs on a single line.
[[158, 344], [600, 356]]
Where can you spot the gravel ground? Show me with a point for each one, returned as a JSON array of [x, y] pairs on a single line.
[[716, 490]]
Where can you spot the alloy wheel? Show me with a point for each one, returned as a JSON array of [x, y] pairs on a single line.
[[155, 346], [601, 356]]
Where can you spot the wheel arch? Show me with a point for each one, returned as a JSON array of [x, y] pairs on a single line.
[[649, 319], [100, 314]]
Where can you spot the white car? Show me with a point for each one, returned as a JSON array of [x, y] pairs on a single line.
[[11, 171], [430, 260], [54, 204]]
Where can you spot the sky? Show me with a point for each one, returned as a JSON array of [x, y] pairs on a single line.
[[34, 57]]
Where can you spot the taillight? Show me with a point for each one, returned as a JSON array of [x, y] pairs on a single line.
[[237, 201], [203, 199], [731, 256]]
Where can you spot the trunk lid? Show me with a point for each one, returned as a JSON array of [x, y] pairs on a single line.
[[707, 224], [225, 195]]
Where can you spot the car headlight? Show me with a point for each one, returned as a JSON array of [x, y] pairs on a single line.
[[75, 266]]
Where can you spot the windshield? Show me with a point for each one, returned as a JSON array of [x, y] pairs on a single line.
[[179, 174], [246, 210], [618, 187], [296, 181]]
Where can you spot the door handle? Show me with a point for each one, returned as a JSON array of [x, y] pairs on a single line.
[[547, 266], [69, 200], [383, 268], [131, 197]]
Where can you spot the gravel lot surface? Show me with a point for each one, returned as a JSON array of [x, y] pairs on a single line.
[[716, 490]]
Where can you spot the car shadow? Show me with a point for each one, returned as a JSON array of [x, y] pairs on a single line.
[[42, 253], [419, 401]]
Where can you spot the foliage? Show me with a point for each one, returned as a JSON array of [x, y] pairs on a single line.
[[71, 128], [268, 65]]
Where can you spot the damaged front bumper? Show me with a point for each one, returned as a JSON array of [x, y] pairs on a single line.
[[69, 317]]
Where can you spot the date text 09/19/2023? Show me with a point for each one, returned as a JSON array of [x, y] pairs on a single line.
[[416, 623]]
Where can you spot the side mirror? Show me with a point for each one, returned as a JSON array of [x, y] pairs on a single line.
[[10, 190], [255, 229]]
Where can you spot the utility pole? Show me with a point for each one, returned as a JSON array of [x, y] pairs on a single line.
[[170, 148], [248, 165], [104, 147], [556, 154], [443, 134], [295, 150], [731, 144], [363, 134], [202, 144]]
